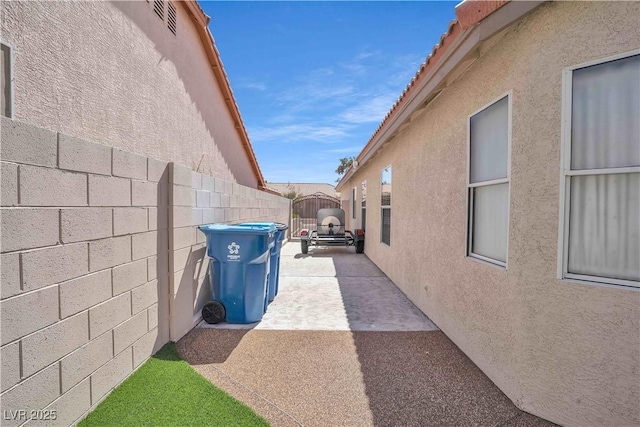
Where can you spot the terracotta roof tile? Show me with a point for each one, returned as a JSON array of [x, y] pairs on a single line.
[[468, 13]]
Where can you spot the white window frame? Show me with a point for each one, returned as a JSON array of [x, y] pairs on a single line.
[[566, 173], [11, 82], [383, 207], [470, 186], [353, 202]]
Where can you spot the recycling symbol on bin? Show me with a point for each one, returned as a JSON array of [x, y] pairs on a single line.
[[234, 248]]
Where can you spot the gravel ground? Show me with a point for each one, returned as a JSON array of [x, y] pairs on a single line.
[[301, 368], [334, 378]]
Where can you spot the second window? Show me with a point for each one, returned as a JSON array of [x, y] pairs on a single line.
[[385, 203], [488, 182]]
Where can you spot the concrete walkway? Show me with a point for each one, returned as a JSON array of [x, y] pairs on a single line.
[[342, 346], [335, 289]]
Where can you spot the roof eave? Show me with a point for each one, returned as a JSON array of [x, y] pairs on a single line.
[[458, 44], [269, 190], [469, 12]]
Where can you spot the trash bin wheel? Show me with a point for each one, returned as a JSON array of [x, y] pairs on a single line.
[[304, 246], [360, 246], [213, 312]]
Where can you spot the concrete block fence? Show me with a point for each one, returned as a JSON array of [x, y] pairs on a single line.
[[199, 199], [101, 264]]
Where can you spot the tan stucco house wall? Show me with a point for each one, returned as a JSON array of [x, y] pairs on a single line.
[[113, 73], [563, 350]]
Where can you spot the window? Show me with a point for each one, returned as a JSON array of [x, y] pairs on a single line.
[[385, 203], [488, 182], [600, 189], [363, 204], [6, 81], [353, 203]]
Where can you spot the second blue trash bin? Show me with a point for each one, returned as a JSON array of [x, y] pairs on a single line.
[[274, 264], [239, 269], [280, 234]]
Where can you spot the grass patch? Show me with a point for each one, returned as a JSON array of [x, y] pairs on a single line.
[[166, 391]]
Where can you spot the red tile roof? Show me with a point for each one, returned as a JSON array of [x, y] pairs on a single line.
[[468, 13], [471, 12]]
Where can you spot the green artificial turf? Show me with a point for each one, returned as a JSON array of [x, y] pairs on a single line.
[[166, 391]]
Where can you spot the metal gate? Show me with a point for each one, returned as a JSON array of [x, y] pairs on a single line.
[[304, 211]]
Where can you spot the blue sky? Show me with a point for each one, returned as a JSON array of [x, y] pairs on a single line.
[[313, 80]]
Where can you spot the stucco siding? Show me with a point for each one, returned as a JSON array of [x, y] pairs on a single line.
[[113, 73], [566, 351]]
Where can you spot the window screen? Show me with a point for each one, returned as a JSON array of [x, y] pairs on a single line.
[[353, 203], [386, 227], [385, 202], [603, 180], [489, 182], [6, 82]]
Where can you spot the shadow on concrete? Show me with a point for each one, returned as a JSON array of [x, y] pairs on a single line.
[[318, 254], [421, 378], [167, 352], [353, 377], [197, 347], [345, 260], [411, 377]]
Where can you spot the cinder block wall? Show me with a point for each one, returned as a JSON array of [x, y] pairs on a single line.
[[86, 278], [84, 259], [198, 199]]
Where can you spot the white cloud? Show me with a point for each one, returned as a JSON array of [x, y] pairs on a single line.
[[358, 66], [256, 86], [282, 118], [343, 150], [406, 67], [314, 92], [249, 83], [332, 104], [298, 133], [369, 110], [312, 172]]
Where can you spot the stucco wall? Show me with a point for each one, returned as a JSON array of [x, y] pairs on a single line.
[[565, 351], [113, 73]]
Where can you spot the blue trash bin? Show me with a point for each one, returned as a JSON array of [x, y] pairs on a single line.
[[274, 264], [239, 268], [280, 234]]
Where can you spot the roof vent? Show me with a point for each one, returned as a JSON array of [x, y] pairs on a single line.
[[158, 8], [172, 20]]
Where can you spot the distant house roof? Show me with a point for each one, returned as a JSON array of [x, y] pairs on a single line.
[[304, 188], [468, 14], [201, 21]]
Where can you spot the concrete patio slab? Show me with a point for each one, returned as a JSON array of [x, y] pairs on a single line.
[[341, 349], [335, 289], [326, 262]]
